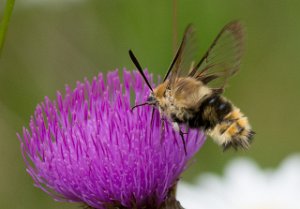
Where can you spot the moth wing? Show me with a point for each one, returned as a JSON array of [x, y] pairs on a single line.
[[183, 60], [223, 58]]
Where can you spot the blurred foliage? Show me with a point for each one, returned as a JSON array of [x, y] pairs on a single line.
[[53, 43]]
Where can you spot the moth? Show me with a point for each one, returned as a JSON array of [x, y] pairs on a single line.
[[191, 93]]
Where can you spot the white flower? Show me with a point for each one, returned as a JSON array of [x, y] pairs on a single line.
[[245, 186]]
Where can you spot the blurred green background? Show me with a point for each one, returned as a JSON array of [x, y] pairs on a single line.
[[51, 43]]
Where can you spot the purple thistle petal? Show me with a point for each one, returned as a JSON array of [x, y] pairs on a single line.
[[88, 146]]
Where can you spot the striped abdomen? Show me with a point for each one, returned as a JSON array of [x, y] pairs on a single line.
[[221, 120]]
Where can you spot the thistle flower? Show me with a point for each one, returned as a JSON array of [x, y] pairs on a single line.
[[88, 146]]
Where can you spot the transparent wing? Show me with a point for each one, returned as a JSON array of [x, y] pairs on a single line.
[[223, 58], [183, 60]]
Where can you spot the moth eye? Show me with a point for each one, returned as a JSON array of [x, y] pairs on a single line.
[[150, 98]]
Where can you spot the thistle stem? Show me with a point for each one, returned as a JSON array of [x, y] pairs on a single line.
[[5, 21], [175, 26]]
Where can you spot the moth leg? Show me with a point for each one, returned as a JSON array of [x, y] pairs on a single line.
[[152, 118], [163, 120], [183, 142], [177, 128]]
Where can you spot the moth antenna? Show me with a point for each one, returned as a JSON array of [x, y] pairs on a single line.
[[138, 66]]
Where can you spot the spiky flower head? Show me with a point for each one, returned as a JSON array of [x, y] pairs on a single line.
[[88, 146]]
